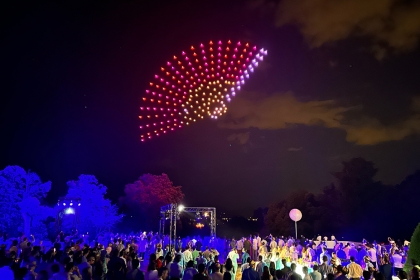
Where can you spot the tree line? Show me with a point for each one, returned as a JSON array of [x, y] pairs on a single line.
[[24, 209], [355, 206]]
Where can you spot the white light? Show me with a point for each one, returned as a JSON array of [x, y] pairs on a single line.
[[64, 203], [181, 208], [79, 204], [69, 211]]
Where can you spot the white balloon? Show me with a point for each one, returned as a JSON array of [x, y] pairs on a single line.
[[295, 215]]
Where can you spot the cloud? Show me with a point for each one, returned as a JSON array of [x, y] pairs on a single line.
[[295, 149], [281, 111], [242, 138], [390, 24]]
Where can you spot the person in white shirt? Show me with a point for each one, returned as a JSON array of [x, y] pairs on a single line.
[[372, 255], [258, 239], [397, 261], [273, 245], [188, 255], [254, 248], [240, 247], [233, 255]]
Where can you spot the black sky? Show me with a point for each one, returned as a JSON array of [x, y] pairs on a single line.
[[73, 74]]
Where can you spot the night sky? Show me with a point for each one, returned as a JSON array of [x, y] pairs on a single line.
[[341, 80]]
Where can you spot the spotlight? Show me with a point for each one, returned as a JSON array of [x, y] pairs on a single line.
[[181, 208], [79, 204], [69, 211], [71, 203], [64, 203], [206, 214]]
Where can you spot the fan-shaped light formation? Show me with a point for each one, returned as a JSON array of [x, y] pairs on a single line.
[[197, 83]]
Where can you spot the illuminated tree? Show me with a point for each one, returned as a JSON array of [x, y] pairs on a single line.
[[149, 193], [97, 214], [196, 84], [20, 196]]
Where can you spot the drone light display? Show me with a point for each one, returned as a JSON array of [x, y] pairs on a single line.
[[197, 83]]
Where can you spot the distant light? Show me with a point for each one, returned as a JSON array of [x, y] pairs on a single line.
[[181, 208], [71, 203], [79, 204], [64, 203]]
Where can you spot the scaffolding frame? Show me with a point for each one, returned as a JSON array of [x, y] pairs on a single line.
[[171, 212]]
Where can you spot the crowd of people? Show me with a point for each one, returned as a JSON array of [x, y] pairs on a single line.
[[115, 257]]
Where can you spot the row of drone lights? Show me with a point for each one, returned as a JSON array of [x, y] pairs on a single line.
[[70, 204]]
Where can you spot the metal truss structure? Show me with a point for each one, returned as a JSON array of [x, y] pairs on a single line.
[[68, 206], [171, 212]]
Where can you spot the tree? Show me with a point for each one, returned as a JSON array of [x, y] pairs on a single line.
[[328, 213], [404, 200], [414, 252], [97, 214], [21, 194], [362, 198], [149, 193], [278, 220]]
